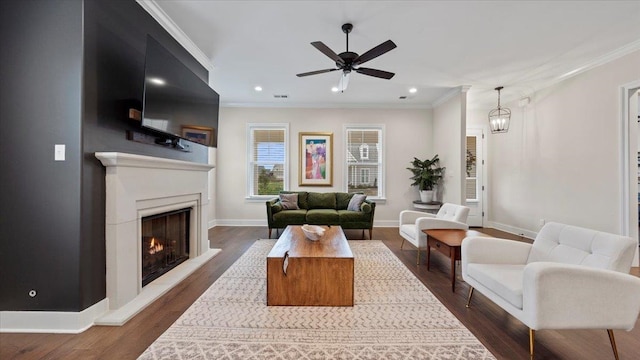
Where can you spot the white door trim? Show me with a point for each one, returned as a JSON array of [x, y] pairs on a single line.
[[626, 91]]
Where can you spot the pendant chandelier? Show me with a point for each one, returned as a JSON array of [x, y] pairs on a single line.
[[499, 117]]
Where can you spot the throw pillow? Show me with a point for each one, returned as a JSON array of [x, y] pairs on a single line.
[[289, 201], [356, 202]]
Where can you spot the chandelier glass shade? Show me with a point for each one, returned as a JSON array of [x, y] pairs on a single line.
[[500, 117]]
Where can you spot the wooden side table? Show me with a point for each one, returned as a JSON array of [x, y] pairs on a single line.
[[430, 206], [449, 243]]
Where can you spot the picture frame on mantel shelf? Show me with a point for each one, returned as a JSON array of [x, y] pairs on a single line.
[[316, 159], [198, 134]]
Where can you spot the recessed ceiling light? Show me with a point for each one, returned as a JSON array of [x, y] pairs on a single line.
[[334, 89], [157, 81], [413, 90], [258, 88]]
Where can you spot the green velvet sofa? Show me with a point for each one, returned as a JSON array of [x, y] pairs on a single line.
[[317, 208]]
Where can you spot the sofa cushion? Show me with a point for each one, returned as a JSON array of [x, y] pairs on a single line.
[[356, 202], [579, 246], [342, 200], [353, 216], [505, 280], [302, 198], [289, 201], [323, 217], [322, 200], [290, 217]]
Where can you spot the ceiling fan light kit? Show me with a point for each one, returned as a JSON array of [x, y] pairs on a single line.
[[500, 117], [349, 61]]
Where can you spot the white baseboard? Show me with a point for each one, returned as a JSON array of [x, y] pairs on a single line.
[[511, 229], [385, 223], [241, 222], [52, 321], [260, 222], [212, 224]]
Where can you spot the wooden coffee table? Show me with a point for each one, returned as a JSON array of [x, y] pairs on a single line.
[[449, 243], [317, 273]]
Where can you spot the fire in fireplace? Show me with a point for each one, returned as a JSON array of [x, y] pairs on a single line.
[[165, 243]]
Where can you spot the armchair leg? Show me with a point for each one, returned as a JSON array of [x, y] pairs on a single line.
[[401, 245], [469, 296], [612, 339], [269, 233], [418, 257], [363, 234], [532, 334], [370, 233]]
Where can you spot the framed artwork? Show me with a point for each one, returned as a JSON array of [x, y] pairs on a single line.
[[198, 134], [316, 159]]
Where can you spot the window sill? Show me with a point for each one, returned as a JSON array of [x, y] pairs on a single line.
[[260, 198], [378, 200]]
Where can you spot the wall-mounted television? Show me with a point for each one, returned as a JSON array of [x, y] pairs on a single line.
[[177, 103]]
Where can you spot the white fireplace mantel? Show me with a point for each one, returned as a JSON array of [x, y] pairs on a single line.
[[138, 186], [116, 159]]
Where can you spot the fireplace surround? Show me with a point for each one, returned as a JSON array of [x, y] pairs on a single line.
[[140, 186]]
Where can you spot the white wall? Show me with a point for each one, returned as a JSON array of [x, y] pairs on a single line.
[[560, 160], [449, 142], [408, 134]]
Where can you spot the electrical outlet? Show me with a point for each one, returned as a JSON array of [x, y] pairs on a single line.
[[59, 152]]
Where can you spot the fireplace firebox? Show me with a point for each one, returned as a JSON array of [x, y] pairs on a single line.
[[165, 243]]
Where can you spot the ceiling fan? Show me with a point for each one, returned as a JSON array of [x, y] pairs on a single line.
[[349, 61]]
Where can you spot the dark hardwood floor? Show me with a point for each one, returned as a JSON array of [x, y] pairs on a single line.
[[503, 335]]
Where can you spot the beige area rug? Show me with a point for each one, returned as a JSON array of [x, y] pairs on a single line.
[[394, 317]]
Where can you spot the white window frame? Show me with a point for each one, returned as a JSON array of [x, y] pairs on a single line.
[[251, 127], [381, 158]]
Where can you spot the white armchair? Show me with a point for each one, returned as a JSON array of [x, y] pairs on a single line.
[[450, 216], [569, 278]]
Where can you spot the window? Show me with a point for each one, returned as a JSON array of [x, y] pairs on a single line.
[[268, 159], [364, 176], [472, 180], [364, 151], [364, 160]]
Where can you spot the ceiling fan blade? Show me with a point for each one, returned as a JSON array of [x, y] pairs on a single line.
[[325, 50], [374, 72], [375, 52], [344, 82], [316, 72]]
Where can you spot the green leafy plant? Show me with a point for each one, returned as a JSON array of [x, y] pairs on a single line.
[[427, 173]]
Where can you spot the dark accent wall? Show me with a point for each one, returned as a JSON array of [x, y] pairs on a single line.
[[69, 71]]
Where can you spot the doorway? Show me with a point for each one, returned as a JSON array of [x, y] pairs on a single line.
[[474, 176]]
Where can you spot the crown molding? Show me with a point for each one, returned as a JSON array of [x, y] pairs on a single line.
[[450, 94], [324, 105], [151, 6], [601, 60]]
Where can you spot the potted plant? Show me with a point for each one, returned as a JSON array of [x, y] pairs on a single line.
[[426, 175]]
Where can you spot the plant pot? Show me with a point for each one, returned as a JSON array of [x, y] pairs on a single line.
[[426, 195]]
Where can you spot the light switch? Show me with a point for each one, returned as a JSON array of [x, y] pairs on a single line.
[[59, 152]]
